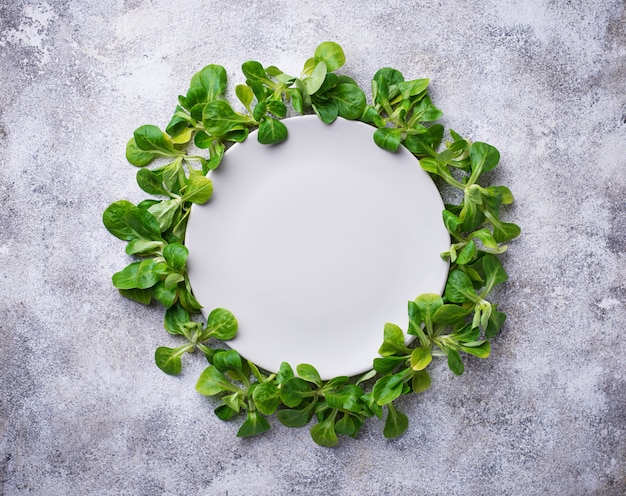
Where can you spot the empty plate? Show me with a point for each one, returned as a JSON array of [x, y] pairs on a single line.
[[315, 243]]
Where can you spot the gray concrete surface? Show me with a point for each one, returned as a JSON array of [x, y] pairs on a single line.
[[83, 410]]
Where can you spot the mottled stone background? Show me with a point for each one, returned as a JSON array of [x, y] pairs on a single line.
[[83, 409]]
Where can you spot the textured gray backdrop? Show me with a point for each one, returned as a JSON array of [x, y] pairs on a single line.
[[83, 410]]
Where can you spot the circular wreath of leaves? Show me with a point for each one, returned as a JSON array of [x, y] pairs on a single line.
[[462, 321]]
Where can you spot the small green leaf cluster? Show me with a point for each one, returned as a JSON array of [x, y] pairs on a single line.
[[339, 406], [453, 325], [400, 110], [207, 119], [220, 325]]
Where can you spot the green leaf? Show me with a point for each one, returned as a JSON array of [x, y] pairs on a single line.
[[380, 94], [369, 401], [467, 334], [260, 109], [314, 82], [451, 221], [271, 131], [309, 65], [245, 94], [388, 388], [212, 79], [294, 391], [217, 154], [503, 231], [388, 363], [266, 396], [253, 425], [481, 351], [345, 398], [173, 175], [285, 372], [260, 91], [309, 374], [144, 224], [326, 110], [420, 382], [169, 359], [420, 358], [412, 88], [331, 54], [471, 215], [459, 288], [175, 319], [431, 166], [114, 220], [371, 116], [136, 156], [202, 140], [143, 296], [224, 412], [143, 247], [296, 100], [199, 189], [330, 81], [150, 138], [450, 315], [279, 75], [396, 423], [295, 418], [127, 277], [420, 145], [388, 138], [188, 301], [501, 193], [277, 108], [486, 238], [147, 274], [428, 304], [494, 273], [256, 372], [455, 363], [366, 376], [254, 72], [389, 75], [175, 255], [393, 341], [483, 157], [425, 111], [415, 321], [196, 96], [164, 294], [221, 324], [219, 118], [150, 182], [237, 133], [467, 254], [348, 425], [496, 321], [323, 433], [165, 212], [180, 124], [212, 382], [349, 99], [226, 360], [436, 133], [233, 401]]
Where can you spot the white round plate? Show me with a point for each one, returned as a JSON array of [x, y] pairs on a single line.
[[315, 243]]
